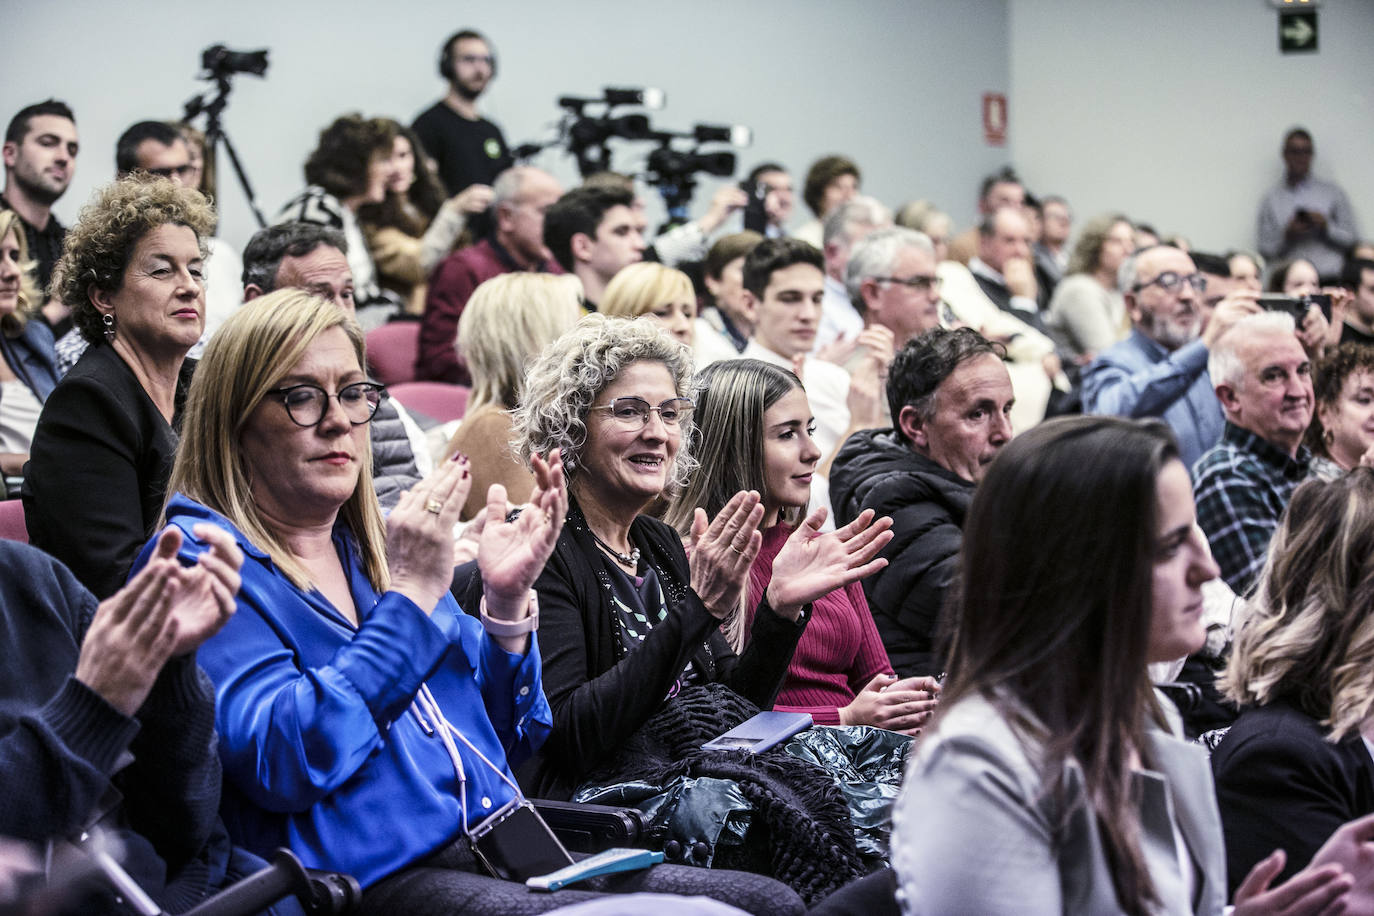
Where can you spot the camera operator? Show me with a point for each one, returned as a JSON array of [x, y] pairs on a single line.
[[468, 148], [778, 202]]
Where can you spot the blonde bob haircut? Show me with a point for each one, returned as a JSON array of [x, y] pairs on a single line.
[[507, 322], [246, 358], [566, 379], [641, 288], [1308, 634], [12, 325]]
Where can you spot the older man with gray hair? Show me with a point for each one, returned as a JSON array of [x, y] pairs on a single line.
[[519, 198], [1263, 380], [840, 321]]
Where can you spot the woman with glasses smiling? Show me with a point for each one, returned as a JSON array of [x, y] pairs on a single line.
[[627, 618]]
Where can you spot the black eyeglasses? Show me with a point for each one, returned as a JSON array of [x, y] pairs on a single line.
[[921, 283], [1172, 281], [306, 404], [633, 413]]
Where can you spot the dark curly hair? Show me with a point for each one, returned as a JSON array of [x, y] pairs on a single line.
[[98, 248], [1327, 382], [340, 159], [413, 211]]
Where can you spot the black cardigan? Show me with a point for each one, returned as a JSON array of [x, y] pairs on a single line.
[[598, 699], [1281, 784], [97, 473]]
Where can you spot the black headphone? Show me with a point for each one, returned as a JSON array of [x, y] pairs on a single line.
[[446, 58]]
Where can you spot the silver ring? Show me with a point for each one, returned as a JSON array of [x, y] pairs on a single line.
[[434, 506]]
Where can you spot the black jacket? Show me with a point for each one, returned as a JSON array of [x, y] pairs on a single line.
[[877, 470], [600, 699], [97, 472], [1281, 784]]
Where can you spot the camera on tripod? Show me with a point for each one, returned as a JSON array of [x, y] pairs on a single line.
[[218, 61]]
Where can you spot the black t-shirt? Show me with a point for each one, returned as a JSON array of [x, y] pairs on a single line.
[[467, 152]]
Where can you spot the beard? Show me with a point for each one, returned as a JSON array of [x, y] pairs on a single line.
[[38, 188], [469, 90], [1171, 333]]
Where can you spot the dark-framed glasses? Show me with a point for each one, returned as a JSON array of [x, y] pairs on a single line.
[[633, 413], [921, 283], [1171, 282], [307, 404]]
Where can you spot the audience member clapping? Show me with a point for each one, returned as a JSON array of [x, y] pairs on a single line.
[[1296, 763], [108, 724], [28, 365], [508, 321], [132, 272], [627, 618], [1051, 776], [754, 429]]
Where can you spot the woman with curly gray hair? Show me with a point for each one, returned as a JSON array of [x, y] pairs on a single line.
[[132, 271], [626, 619]]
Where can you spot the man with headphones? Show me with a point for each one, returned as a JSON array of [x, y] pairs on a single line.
[[468, 148]]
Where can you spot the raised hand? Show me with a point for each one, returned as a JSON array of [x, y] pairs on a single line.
[[1310, 892], [812, 564], [722, 552], [202, 594], [1351, 847], [511, 554], [419, 533], [132, 635], [896, 705]]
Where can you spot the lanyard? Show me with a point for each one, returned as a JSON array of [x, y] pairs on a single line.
[[427, 711]]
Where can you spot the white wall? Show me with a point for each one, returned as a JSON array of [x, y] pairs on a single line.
[[1173, 111], [894, 83]]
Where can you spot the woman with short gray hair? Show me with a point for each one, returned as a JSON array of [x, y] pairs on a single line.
[[627, 620]]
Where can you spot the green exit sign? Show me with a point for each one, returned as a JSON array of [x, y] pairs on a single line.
[[1298, 31]]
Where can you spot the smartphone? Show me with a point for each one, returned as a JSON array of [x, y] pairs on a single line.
[[755, 216], [761, 732], [516, 844]]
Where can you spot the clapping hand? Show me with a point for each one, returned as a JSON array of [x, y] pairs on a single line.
[[722, 552], [511, 554], [812, 564], [419, 534], [896, 705], [166, 610]]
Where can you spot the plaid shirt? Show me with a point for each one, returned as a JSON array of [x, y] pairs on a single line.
[[1243, 486]]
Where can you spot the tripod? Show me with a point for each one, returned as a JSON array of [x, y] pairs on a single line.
[[215, 135]]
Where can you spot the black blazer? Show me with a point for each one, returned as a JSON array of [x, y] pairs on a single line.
[[1281, 784], [97, 472]]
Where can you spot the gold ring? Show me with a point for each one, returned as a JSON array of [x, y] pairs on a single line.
[[434, 506]]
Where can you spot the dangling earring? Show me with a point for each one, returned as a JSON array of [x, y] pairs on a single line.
[[108, 320]]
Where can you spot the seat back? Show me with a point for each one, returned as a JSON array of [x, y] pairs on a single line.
[[439, 401], [392, 350], [12, 527]]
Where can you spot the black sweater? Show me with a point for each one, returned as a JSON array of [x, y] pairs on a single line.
[[64, 751], [600, 699]]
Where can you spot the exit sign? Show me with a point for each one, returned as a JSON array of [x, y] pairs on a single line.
[[1298, 31]]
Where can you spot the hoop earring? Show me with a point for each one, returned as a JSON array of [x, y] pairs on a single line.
[[108, 320]]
